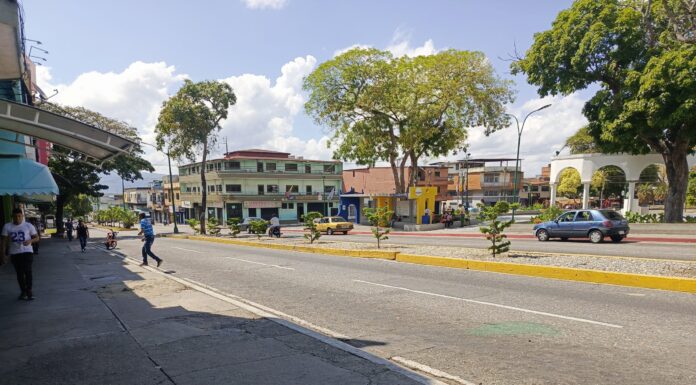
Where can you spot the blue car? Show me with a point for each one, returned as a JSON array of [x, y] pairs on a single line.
[[593, 224]]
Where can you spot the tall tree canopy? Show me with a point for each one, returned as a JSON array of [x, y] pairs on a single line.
[[75, 177], [582, 142], [401, 109], [641, 56], [189, 122]]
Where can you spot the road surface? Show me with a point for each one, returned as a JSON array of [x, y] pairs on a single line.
[[485, 328]]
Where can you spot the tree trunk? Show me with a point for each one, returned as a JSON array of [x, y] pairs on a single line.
[[398, 186], [204, 188], [60, 205], [402, 175], [677, 169]]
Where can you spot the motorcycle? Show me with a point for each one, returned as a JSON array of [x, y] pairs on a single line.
[[110, 242], [274, 232]]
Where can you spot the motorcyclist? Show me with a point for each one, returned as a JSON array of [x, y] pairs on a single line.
[[274, 228]]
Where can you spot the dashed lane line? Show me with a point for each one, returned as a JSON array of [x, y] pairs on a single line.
[[493, 304], [260, 263]]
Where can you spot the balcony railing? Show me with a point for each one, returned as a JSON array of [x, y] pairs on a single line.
[[256, 194], [254, 170]]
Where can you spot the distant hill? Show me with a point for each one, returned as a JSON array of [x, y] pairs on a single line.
[[114, 181]]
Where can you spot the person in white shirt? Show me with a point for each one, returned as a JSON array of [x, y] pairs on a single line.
[[275, 222], [18, 236]]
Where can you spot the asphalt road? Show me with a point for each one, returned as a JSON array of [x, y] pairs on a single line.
[[486, 328], [626, 248]]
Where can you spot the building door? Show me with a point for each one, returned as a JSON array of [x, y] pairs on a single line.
[[317, 206], [252, 212], [269, 212], [234, 210], [259, 166], [300, 212], [352, 213]]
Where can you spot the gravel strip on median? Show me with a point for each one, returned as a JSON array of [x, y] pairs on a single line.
[[615, 264]]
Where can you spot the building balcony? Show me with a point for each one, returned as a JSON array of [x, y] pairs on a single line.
[[255, 173]]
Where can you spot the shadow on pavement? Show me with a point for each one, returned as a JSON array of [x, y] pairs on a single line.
[[98, 319]]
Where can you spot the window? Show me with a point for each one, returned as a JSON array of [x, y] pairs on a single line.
[[288, 206], [177, 196], [219, 188], [328, 189], [259, 166], [292, 188], [567, 217], [584, 216], [270, 166], [260, 190], [233, 165], [491, 193], [290, 166], [330, 168], [437, 174], [308, 189], [308, 168], [491, 178], [272, 188], [233, 188], [545, 188]]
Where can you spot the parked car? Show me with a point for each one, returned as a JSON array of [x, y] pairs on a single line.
[[246, 224], [592, 224], [332, 225]]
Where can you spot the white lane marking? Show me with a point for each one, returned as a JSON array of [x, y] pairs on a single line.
[[259, 263], [181, 248], [494, 305], [432, 371]]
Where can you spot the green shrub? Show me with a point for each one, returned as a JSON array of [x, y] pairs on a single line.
[[258, 227], [195, 225], [128, 218], [548, 214], [494, 232], [212, 226], [233, 224], [311, 232], [379, 218]]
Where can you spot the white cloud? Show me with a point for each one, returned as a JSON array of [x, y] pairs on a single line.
[[344, 50], [265, 4]]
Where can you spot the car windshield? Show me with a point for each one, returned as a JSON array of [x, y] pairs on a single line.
[[337, 219], [612, 215]]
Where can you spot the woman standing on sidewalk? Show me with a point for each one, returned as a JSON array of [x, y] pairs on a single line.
[[82, 234], [19, 236]]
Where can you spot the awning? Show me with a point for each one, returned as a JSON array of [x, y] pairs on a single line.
[[22, 176], [65, 132]]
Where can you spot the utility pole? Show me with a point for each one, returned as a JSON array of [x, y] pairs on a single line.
[[226, 149], [123, 193], [171, 191]]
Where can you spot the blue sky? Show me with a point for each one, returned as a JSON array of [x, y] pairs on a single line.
[[123, 58]]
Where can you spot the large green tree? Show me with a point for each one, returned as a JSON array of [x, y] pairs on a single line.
[[400, 109], [569, 184], [640, 56], [189, 122], [75, 176], [581, 142]]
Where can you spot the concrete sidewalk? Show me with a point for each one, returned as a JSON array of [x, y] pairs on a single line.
[[100, 319]]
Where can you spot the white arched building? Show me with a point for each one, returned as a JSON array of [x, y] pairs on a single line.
[[587, 164]]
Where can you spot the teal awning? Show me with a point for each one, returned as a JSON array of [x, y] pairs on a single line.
[[22, 176]]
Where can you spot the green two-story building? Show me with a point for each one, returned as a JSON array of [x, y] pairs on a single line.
[[262, 183]]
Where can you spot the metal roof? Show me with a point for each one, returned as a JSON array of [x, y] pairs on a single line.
[[62, 131]]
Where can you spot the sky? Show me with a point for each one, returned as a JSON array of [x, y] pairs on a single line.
[[125, 58]]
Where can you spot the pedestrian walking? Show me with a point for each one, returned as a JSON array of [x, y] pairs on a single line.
[[149, 238], [18, 236], [82, 234], [69, 229]]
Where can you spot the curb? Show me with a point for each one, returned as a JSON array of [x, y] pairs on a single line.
[[686, 285]]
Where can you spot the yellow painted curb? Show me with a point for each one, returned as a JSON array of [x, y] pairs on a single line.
[[390, 255], [687, 285]]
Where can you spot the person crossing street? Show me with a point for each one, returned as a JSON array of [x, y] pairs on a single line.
[[149, 238]]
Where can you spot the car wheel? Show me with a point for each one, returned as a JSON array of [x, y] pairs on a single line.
[[329, 232], [596, 236], [616, 238], [542, 235], [564, 239]]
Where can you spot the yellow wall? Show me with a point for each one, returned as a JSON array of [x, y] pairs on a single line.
[[425, 198]]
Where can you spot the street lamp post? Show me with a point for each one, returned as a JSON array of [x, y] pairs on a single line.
[[517, 157]]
